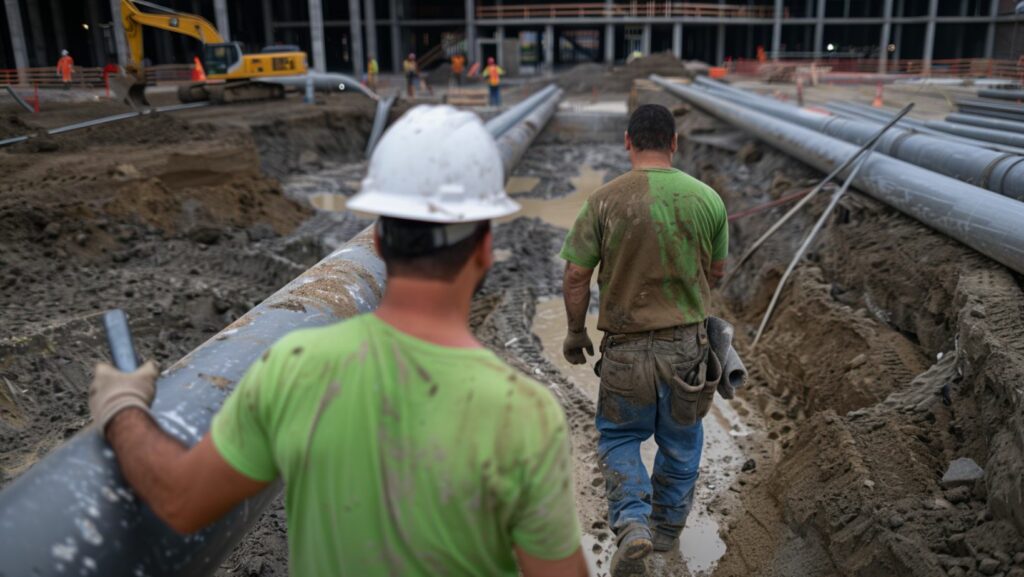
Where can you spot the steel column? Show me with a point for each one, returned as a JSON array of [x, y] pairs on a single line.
[[370, 15], [819, 29], [220, 15], [471, 47], [355, 38], [645, 40], [72, 513], [990, 30], [609, 43], [268, 22], [883, 43], [120, 42], [929, 37], [980, 219], [394, 14], [720, 45], [17, 33], [35, 23], [677, 39], [777, 30], [58, 24], [549, 46]]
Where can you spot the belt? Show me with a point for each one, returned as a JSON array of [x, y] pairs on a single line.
[[665, 334]]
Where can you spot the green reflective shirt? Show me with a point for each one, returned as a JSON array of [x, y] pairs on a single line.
[[655, 233], [401, 457]]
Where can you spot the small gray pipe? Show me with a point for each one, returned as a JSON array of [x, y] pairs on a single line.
[[380, 122], [985, 221], [996, 171], [73, 514], [1000, 94]]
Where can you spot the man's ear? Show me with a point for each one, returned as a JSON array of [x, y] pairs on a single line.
[[628, 141], [376, 239], [675, 142], [485, 251]]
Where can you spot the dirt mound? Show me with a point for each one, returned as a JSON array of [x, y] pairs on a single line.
[[585, 78], [894, 351], [12, 125]]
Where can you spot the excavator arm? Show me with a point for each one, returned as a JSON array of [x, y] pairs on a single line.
[[163, 18]]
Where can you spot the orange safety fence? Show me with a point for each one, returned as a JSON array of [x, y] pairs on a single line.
[[633, 9], [953, 68], [91, 77]]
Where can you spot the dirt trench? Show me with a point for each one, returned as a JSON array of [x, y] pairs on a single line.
[[894, 350]]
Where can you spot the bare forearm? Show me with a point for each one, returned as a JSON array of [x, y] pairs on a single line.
[[576, 290], [149, 459]]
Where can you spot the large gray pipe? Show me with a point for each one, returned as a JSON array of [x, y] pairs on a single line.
[[511, 117], [992, 109], [73, 514], [978, 132], [995, 171], [993, 123], [1002, 94], [514, 141], [982, 220]]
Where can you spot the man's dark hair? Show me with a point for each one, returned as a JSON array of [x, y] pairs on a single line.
[[409, 248], [651, 127]]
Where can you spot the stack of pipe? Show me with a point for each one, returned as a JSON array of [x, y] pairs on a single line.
[[992, 109], [983, 220], [1000, 172], [73, 514], [1002, 94]]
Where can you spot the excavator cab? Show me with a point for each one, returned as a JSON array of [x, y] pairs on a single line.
[[222, 59]]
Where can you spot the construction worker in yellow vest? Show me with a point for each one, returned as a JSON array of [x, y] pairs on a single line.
[[493, 74], [372, 70]]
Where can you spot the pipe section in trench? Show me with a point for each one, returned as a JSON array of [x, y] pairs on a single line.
[[983, 220], [996, 171], [73, 514]]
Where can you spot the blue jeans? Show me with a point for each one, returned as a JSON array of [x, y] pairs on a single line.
[[652, 385], [494, 92]]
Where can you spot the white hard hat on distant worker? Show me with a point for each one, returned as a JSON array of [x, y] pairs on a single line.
[[435, 164]]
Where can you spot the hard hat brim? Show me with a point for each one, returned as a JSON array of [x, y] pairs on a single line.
[[425, 210]]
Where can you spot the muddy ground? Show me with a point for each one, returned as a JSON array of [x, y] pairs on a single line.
[[845, 431]]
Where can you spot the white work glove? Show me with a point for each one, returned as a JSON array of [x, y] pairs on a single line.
[[112, 391], [575, 343]]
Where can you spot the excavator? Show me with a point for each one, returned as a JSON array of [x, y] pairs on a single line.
[[232, 76]]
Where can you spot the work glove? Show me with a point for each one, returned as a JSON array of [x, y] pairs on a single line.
[[112, 391], [575, 343]]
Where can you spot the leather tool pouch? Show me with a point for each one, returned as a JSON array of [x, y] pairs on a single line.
[[694, 391]]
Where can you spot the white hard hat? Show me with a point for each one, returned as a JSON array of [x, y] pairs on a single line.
[[435, 164], [63, 52]]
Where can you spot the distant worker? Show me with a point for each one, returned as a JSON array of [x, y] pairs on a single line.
[[372, 71], [65, 68], [198, 73], [412, 71], [458, 68], [493, 74], [661, 238], [406, 447]]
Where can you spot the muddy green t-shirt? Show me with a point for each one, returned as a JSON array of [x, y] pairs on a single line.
[[401, 457], [655, 233]]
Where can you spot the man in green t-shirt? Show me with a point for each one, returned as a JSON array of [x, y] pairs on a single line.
[[406, 448], [661, 238]]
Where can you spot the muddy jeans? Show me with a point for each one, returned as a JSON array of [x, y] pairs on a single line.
[[652, 384]]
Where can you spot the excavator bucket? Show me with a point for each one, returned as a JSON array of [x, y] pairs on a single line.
[[129, 90]]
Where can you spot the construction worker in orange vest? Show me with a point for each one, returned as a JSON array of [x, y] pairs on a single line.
[[198, 74], [458, 68], [493, 74], [65, 68]]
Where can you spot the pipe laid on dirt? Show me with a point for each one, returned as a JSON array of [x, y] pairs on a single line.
[[380, 121], [73, 514], [978, 132], [984, 122], [324, 82], [992, 109], [506, 120], [1001, 94], [514, 141], [980, 219], [106, 120], [996, 171]]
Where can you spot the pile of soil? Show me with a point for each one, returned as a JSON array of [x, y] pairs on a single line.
[[894, 351], [13, 125], [585, 78]]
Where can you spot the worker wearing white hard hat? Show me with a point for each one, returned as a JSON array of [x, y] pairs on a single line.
[[405, 446]]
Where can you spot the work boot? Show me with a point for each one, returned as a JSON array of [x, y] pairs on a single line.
[[630, 558], [664, 543]]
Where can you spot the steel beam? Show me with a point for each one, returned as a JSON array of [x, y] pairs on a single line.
[[73, 514], [999, 172], [220, 15], [355, 38], [883, 41], [980, 219], [14, 28]]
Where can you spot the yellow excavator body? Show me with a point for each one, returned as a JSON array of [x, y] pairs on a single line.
[[225, 62]]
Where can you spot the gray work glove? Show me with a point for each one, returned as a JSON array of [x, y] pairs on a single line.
[[112, 391], [575, 343]]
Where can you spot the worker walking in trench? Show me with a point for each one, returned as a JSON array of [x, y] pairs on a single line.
[[406, 448], [65, 68], [661, 238]]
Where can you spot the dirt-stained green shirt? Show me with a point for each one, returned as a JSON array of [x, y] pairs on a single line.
[[402, 457], [655, 233]]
